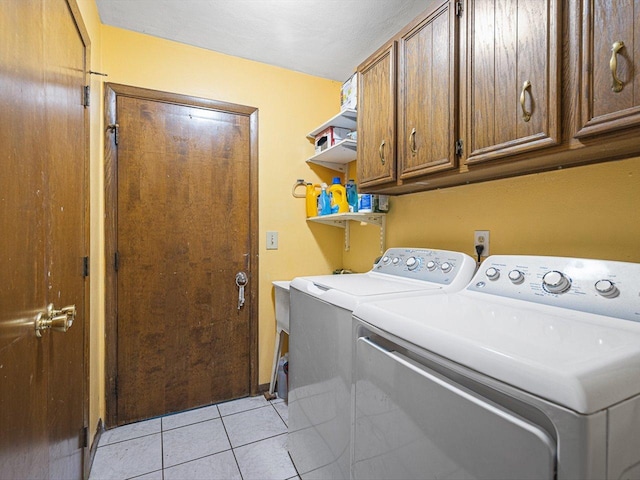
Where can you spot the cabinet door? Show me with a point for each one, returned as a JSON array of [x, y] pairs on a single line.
[[377, 118], [610, 89], [512, 91], [427, 101]]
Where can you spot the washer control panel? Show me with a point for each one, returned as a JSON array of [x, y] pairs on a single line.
[[596, 286], [436, 266]]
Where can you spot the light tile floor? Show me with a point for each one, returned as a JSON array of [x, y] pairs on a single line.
[[243, 439]]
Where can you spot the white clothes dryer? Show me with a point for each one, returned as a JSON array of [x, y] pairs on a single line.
[[321, 346], [532, 371]]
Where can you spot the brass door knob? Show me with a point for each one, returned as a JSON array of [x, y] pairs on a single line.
[[52, 319]]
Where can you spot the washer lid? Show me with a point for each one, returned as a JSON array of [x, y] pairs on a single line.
[[347, 291], [582, 361]]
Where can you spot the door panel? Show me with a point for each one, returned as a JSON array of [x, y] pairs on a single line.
[[183, 232], [65, 233], [377, 118], [511, 44], [604, 24], [23, 381], [42, 205], [427, 102]]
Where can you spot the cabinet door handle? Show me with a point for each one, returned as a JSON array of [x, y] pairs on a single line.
[[526, 116], [616, 86], [381, 152], [412, 141]]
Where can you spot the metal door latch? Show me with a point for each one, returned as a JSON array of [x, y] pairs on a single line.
[[241, 281]]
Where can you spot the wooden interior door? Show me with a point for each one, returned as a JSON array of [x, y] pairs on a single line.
[[43, 407], [66, 236], [183, 231], [23, 380]]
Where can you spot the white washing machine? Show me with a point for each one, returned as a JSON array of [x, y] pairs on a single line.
[[532, 371], [321, 346]]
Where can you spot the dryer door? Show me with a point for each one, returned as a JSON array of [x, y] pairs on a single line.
[[411, 422]]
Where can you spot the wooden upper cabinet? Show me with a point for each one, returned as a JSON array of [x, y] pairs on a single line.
[[610, 88], [512, 79], [427, 99], [377, 118]]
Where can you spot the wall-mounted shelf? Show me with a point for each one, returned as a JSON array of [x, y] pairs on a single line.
[[344, 119], [336, 157], [343, 220]]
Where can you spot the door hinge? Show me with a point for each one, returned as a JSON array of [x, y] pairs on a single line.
[[459, 147], [116, 130], [85, 267], [84, 441], [86, 101], [116, 261], [458, 9]]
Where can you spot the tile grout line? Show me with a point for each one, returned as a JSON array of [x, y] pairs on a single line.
[[162, 446], [232, 450]]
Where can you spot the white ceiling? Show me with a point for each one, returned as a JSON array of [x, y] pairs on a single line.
[[326, 38]]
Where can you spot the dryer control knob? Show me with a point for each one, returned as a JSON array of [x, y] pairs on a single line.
[[492, 273], [446, 267], [516, 277], [607, 288], [555, 282], [396, 261], [431, 265], [385, 259], [412, 263]]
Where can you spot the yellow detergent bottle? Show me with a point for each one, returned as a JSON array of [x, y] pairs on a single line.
[[338, 194], [313, 190]]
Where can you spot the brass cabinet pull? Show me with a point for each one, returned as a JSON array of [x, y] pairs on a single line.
[[412, 141], [526, 116], [381, 152], [58, 320], [616, 86]]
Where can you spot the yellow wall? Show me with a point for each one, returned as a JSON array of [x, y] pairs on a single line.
[[591, 212]]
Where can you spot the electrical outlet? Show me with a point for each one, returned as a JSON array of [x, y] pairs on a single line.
[[272, 240], [481, 237]]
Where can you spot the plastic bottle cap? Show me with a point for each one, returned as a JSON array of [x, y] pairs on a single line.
[[336, 180]]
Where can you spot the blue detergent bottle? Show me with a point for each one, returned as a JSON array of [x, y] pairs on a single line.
[[352, 196], [324, 202]]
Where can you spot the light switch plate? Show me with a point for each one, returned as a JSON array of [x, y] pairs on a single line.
[[272, 240]]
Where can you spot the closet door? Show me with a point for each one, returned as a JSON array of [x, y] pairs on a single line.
[[43, 134]]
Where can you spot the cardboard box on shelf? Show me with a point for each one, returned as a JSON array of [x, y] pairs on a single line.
[[349, 93], [329, 137]]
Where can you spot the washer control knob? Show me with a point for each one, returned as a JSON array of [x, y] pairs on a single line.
[[413, 263], [607, 288], [492, 273], [446, 267], [516, 277], [386, 259], [555, 282], [395, 261], [431, 265]]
